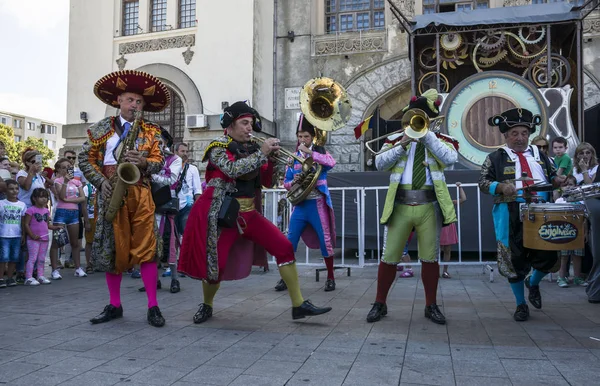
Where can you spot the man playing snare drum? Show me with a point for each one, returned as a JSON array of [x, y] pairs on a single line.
[[498, 172]]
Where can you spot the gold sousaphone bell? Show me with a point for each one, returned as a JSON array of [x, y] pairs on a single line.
[[415, 124]]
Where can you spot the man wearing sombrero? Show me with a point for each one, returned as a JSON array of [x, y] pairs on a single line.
[[226, 232], [498, 172], [130, 238], [417, 198]]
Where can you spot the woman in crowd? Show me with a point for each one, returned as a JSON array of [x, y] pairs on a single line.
[[69, 194]]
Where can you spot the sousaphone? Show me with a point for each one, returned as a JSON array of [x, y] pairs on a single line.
[[325, 104]]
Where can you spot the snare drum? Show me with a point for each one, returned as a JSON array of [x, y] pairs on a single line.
[[553, 227]]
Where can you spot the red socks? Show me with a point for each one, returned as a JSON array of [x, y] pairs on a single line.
[[329, 265], [430, 274], [385, 278]]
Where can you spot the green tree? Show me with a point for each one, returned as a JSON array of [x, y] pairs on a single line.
[[7, 136], [15, 149]]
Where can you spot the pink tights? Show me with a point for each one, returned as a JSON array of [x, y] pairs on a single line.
[[37, 254], [149, 277]]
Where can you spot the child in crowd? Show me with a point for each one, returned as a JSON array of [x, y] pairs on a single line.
[[564, 163], [90, 227], [36, 225], [449, 234], [576, 255], [11, 213]]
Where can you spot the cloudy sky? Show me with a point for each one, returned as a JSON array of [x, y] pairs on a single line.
[[33, 68]]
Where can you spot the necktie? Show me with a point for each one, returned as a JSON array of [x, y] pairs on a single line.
[[418, 177], [126, 128], [524, 167]]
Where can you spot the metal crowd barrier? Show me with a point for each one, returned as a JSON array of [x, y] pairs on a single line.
[[278, 210]]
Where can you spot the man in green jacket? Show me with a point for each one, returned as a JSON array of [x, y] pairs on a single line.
[[417, 197]]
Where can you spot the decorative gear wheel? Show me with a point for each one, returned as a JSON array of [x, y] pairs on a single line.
[[491, 58], [451, 41], [427, 58], [560, 71], [429, 80], [518, 63], [532, 35], [516, 47], [490, 40]]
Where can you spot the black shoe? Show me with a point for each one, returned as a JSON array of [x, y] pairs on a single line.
[[175, 286], [330, 285], [110, 312], [203, 313], [535, 297], [281, 286], [522, 313], [158, 286], [377, 311], [155, 318], [433, 312], [308, 309]]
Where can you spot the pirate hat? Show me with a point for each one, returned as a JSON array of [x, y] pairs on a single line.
[[240, 110], [429, 102], [155, 93], [515, 117]]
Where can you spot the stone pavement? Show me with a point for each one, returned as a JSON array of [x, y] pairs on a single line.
[[45, 336]]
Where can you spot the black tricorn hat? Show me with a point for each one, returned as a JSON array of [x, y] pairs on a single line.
[[515, 117], [239, 110]]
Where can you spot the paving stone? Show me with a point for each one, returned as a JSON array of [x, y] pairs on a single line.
[[475, 367], [530, 366], [16, 369], [462, 380], [256, 380], [539, 379], [215, 375], [158, 375], [41, 377], [316, 379], [94, 378], [125, 365], [48, 356], [10, 355], [75, 365], [366, 375]]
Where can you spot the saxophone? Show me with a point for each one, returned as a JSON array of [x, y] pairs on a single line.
[[127, 173]]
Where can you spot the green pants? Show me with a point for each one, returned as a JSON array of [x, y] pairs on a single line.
[[427, 221]]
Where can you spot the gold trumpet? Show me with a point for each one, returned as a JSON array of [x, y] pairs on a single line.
[[415, 124], [308, 177]]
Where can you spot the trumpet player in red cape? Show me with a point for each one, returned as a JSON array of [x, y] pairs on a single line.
[[226, 233]]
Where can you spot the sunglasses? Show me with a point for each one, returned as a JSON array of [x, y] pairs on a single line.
[[71, 158]]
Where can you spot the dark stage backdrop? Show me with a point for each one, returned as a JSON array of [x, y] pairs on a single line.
[[468, 214]]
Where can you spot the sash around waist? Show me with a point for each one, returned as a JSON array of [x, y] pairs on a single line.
[[246, 204]]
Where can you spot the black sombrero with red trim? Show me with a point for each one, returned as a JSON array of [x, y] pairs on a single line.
[[155, 93]]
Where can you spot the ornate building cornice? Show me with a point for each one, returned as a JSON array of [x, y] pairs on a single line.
[[349, 43], [591, 25], [157, 44]]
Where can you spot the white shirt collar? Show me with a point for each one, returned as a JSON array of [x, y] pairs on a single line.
[[123, 120], [530, 150]]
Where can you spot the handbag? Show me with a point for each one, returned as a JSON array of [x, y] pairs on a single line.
[[61, 237], [228, 213]]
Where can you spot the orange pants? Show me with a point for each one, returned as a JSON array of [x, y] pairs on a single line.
[[135, 241]]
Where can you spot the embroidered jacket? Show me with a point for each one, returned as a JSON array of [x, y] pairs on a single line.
[[91, 158], [500, 166], [439, 153]]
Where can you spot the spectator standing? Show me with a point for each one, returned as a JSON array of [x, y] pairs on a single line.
[[191, 188], [586, 164], [29, 179], [89, 191], [69, 194], [449, 234], [36, 227], [576, 256], [11, 213], [541, 143], [562, 161], [77, 175]]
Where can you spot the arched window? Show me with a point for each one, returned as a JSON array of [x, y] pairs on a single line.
[[172, 118]]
